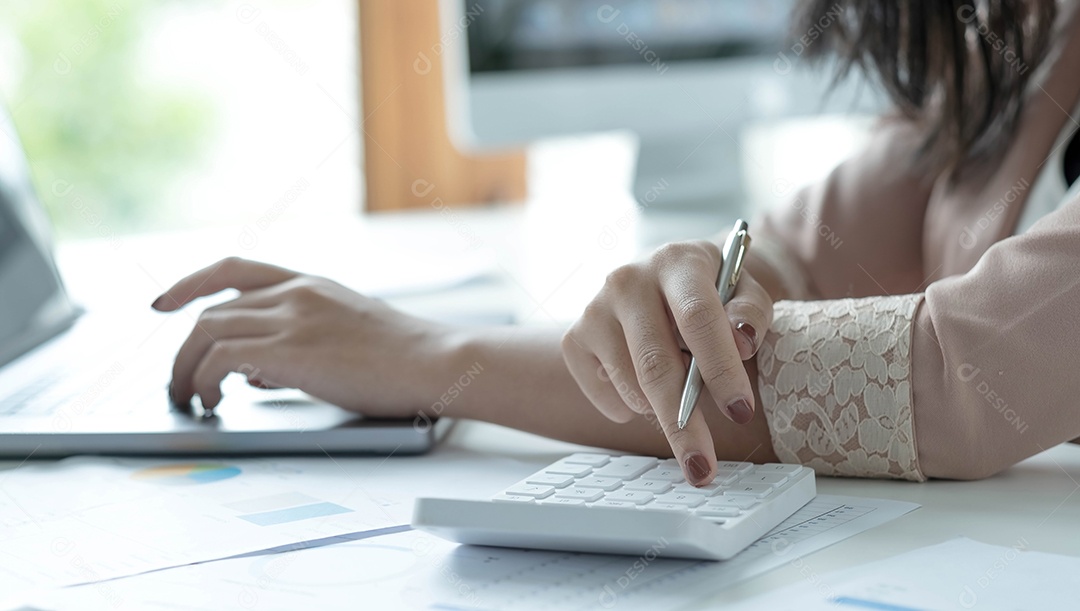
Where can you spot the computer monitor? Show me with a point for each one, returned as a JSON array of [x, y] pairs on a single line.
[[686, 75]]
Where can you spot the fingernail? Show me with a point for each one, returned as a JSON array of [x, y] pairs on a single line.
[[157, 302], [750, 334], [739, 411], [697, 468]]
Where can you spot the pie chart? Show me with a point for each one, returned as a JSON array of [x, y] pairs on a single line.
[[186, 474]]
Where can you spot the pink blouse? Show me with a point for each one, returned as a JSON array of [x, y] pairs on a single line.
[[925, 339]]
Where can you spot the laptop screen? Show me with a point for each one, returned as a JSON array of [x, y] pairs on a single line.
[[33, 303]]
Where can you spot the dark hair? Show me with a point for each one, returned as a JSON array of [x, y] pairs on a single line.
[[958, 68]]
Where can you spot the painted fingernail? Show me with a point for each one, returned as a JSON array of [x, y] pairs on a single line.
[[157, 302], [750, 334], [697, 468], [739, 411]]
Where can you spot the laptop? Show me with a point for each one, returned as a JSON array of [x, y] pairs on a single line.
[[77, 382]]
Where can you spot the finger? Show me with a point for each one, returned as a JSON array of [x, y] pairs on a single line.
[[262, 384], [253, 299], [211, 328], [661, 370], [232, 272], [750, 312], [621, 373], [699, 314], [594, 380], [220, 360]]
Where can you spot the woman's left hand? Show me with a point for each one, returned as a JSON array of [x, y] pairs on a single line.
[[291, 330]]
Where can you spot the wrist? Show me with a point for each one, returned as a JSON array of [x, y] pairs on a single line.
[[454, 364]]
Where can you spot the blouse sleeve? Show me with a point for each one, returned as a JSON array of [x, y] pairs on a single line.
[[962, 381], [996, 351]]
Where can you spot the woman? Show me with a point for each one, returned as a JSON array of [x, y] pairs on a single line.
[[939, 339]]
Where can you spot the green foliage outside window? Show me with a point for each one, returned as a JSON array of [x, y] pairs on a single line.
[[107, 141]]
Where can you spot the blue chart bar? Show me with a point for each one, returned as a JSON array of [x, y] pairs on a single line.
[[849, 601], [294, 514]]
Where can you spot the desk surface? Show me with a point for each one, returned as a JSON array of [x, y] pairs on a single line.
[[1033, 504]]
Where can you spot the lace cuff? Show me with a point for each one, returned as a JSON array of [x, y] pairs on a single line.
[[835, 383]]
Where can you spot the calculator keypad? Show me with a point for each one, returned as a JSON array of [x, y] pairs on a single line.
[[648, 484]]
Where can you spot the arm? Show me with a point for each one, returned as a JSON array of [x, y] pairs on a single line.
[[962, 382], [995, 354], [525, 385], [291, 330]]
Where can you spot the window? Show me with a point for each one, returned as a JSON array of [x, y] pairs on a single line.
[[140, 114]]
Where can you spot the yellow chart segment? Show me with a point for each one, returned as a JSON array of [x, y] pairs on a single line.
[[186, 474]]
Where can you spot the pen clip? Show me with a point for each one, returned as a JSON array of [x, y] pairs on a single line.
[[742, 243]]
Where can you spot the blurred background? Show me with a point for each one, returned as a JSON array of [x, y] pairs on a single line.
[[538, 142], [176, 113]]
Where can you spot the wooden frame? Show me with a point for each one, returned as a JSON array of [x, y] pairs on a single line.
[[409, 160]]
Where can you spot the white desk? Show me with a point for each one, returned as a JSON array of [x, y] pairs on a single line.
[[1034, 502]]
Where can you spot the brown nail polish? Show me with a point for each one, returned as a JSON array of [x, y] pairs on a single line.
[[739, 411], [697, 467], [750, 333], [157, 302]]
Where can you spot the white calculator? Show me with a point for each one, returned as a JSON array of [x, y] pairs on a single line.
[[626, 505]]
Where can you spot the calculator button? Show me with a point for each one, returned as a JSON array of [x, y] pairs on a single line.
[[755, 490], [706, 490], [615, 504], [550, 479], [511, 498], [603, 483], [585, 494], [626, 467], [672, 507], [654, 486], [537, 492], [688, 500], [738, 467], [772, 479], [563, 468], [593, 460], [669, 463], [667, 474], [717, 512], [631, 496], [726, 476], [560, 501], [779, 468], [742, 502]]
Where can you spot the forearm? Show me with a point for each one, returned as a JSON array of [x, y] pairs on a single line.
[[519, 380]]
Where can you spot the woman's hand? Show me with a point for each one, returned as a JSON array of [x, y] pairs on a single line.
[[626, 353], [296, 331]]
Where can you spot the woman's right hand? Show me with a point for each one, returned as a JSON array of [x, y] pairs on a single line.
[[627, 353]]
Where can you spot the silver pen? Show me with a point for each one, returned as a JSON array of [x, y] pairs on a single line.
[[735, 247]]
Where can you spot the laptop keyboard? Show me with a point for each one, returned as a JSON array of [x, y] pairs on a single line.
[[57, 377]]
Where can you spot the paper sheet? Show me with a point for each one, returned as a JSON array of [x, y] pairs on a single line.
[[957, 574], [416, 570], [90, 519]]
